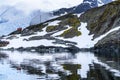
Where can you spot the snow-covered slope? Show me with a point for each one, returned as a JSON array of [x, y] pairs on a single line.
[[19, 41], [83, 41], [64, 31]]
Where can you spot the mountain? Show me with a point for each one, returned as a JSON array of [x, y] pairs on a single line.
[[86, 5], [95, 28], [13, 17], [104, 24], [65, 31]]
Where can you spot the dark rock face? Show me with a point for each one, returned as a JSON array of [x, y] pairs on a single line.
[[113, 37], [101, 20], [111, 43], [107, 48]]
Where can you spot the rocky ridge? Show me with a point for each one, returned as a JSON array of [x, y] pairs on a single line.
[[63, 29], [86, 5], [102, 20]]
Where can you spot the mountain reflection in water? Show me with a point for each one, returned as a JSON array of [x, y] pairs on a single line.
[[59, 66]]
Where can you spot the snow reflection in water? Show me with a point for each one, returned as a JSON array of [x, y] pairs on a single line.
[[53, 66]]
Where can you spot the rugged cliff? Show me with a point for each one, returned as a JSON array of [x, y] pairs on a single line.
[[103, 20], [97, 27], [110, 43]]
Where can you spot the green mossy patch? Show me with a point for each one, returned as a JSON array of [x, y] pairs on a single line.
[[75, 22], [71, 33], [117, 2], [108, 12], [51, 28], [71, 20]]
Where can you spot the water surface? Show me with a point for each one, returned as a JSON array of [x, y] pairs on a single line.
[[58, 66]]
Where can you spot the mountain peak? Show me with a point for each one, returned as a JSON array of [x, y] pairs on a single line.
[[84, 6]]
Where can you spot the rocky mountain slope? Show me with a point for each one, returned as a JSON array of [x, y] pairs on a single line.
[[97, 27], [20, 13], [110, 43], [66, 31], [16, 16], [105, 20]]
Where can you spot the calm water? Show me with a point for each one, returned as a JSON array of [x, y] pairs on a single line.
[[58, 66]]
